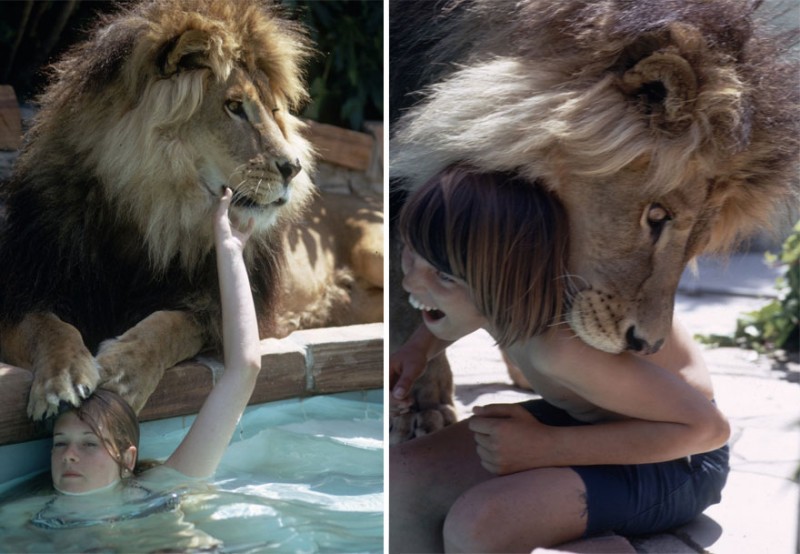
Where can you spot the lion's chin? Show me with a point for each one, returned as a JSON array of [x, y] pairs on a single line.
[[592, 333]]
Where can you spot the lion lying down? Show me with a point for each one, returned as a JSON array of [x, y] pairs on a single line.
[[108, 270], [667, 128]]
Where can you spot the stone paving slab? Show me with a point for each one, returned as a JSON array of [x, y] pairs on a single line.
[[760, 509]]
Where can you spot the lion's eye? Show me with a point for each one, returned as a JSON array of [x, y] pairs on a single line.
[[657, 214], [657, 217], [235, 107], [275, 110]]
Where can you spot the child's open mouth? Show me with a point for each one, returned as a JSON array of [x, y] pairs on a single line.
[[428, 313]]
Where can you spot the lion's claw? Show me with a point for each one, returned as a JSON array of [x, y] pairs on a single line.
[[83, 391], [420, 422], [70, 385]]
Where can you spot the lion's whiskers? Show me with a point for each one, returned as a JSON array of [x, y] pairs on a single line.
[[241, 168], [236, 189], [571, 291]]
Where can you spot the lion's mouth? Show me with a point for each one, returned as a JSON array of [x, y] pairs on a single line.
[[243, 201]]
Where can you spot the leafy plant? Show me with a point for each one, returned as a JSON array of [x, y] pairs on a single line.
[[775, 326], [346, 77]]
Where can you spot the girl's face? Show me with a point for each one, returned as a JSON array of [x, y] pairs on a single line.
[[79, 461], [445, 302]]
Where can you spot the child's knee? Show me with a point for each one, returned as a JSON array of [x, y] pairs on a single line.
[[471, 525]]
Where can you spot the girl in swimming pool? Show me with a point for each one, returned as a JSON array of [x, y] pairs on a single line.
[[95, 446], [618, 443]]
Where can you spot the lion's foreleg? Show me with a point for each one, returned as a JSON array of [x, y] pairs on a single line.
[[133, 363], [64, 369], [432, 408]]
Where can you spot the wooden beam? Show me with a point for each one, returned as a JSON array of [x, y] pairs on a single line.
[[306, 363], [14, 423], [347, 361], [343, 147]]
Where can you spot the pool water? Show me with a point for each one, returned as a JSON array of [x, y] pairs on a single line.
[[300, 476]]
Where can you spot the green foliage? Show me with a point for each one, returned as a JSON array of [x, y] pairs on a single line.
[[346, 77], [776, 326]]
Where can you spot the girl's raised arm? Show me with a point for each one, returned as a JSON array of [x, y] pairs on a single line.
[[199, 453]]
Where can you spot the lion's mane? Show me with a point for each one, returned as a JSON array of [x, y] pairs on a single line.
[[518, 85]]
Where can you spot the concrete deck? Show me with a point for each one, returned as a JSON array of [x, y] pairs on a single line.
[[761, 502]]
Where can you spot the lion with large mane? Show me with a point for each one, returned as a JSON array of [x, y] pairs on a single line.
[[668, 128], [108, 269]]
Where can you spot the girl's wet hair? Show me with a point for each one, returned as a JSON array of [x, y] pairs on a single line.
[[504, 235], [112, 419]]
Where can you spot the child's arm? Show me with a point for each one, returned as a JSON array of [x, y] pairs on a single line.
[[410, 360], [205, 443], [667, 417]]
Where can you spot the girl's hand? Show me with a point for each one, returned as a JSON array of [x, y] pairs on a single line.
[[227, 226], [508, 438]]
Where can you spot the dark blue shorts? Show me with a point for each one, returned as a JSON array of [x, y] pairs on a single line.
[[643, 498]]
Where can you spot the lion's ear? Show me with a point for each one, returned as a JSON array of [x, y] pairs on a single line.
[[665, 85], [189, 51]]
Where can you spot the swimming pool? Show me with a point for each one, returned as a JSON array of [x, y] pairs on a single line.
[[303, 475]]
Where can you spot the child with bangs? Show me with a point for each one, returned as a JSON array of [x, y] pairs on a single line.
[[94, 459], [618, 443], [95, 445]]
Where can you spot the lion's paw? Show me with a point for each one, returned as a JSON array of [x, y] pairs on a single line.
[[126, 370], [128, 392], [413, 424], [64, 378]]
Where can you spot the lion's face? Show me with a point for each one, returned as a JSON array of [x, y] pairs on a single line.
[[199, 97], [628, 250], [243, 143]]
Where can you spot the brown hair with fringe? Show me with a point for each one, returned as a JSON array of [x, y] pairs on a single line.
[[503, 235], [114, 422]]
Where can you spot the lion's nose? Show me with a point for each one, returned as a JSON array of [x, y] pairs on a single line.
[[637, 344], [288, 170]]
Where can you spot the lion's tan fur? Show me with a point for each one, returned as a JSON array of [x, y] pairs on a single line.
[[615, 106]]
